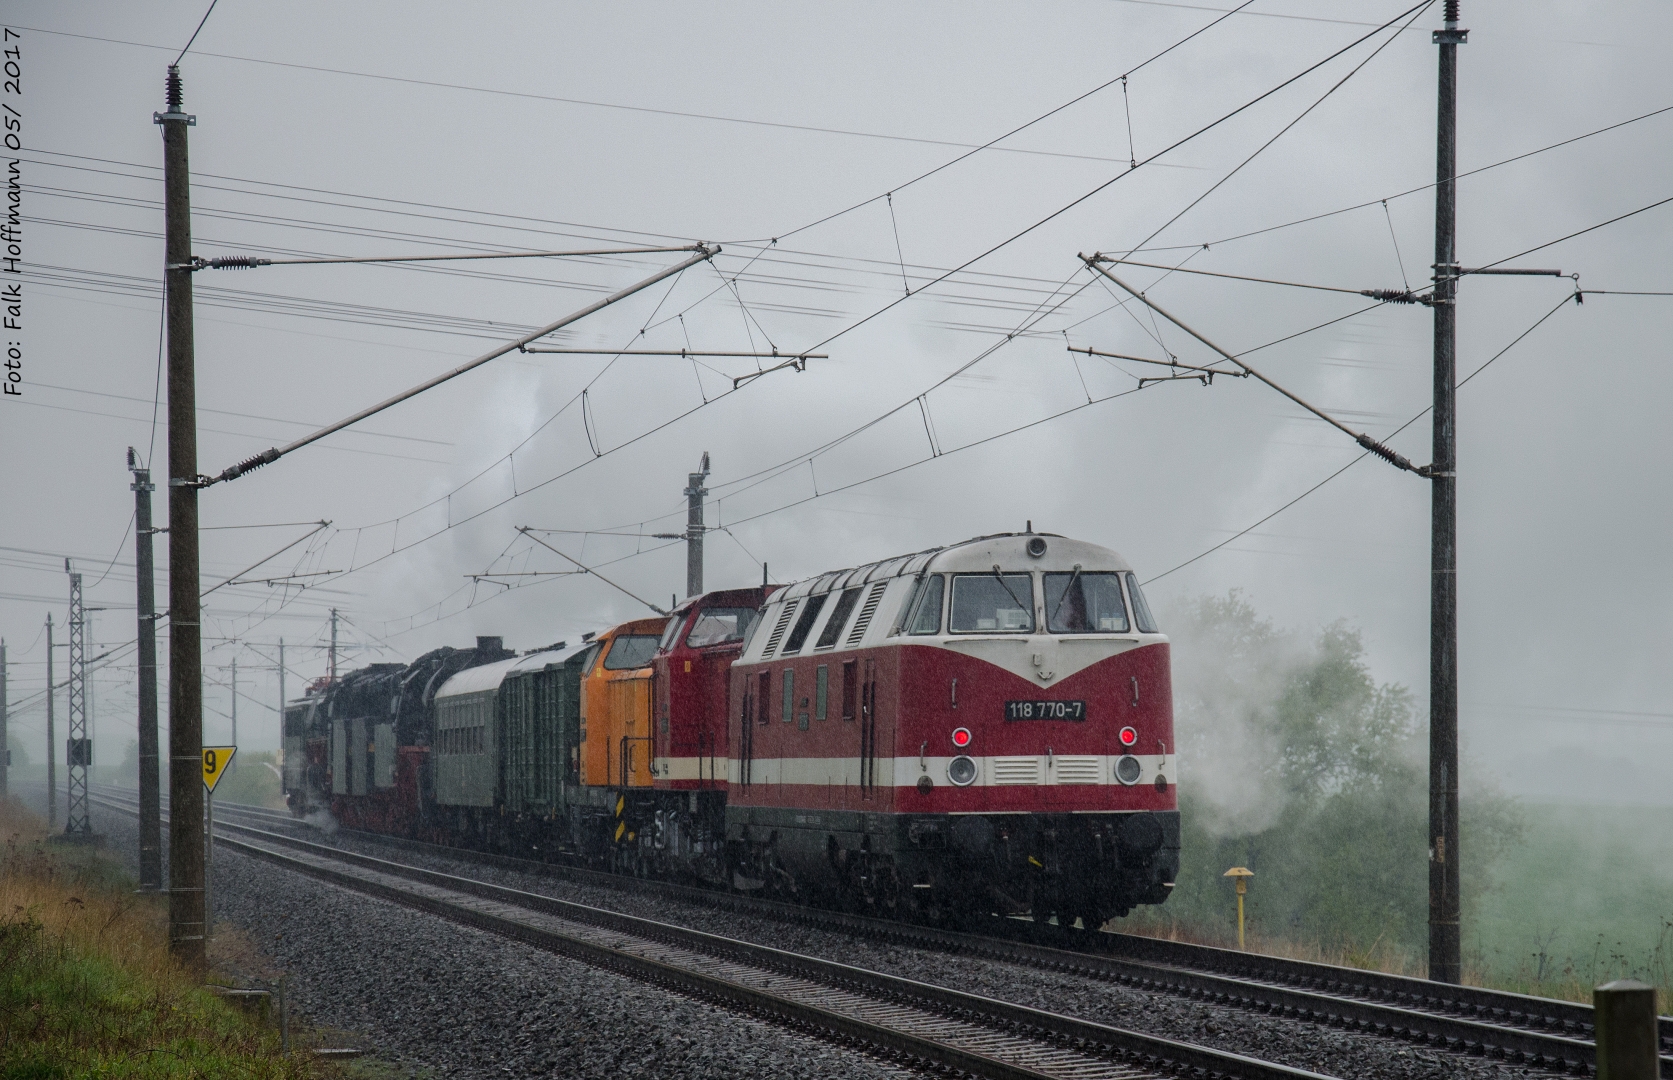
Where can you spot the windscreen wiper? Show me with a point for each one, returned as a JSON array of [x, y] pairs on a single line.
[[1072, 578], [1008, 592]]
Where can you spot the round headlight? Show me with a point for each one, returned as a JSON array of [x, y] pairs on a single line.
[[961, 771], [1036, 546], [1127, 769]]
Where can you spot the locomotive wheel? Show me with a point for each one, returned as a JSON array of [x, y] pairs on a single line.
[[1092, 921], [877, 883]]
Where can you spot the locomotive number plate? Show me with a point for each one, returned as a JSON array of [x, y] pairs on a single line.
[[1045, 710]]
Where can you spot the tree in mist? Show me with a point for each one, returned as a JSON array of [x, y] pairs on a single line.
[[1296, 763]]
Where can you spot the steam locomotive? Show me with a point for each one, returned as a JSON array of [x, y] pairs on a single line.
[[980, 728]]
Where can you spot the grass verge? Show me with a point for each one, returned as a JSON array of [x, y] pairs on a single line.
[[86, 984]]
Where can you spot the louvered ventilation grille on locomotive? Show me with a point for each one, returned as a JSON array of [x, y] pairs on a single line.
[[1076, 770], [783, 623], [1016, 770], [860, 624]]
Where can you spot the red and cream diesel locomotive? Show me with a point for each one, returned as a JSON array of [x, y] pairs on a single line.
[[980, 728]]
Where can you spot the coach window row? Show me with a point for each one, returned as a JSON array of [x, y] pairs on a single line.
[[464, 740], [1076, 602]]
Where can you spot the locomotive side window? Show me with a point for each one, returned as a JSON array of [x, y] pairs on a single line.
[[674, 625], [822, 691], [720, 626], [630, 651], [850, 684], [839, 618], [1080, 603], [764, 695], [926, 610], [1141, 610], [789, 712], [804, 625], [905, 613], [992, 604]]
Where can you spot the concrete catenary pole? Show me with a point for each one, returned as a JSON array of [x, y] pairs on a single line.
[[150, 796], [185, 668], [51, 736], [5, 750], [694, 492], [1445, 953], [281, 706]]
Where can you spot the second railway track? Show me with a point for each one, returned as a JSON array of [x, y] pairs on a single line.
[[1541, 1032]]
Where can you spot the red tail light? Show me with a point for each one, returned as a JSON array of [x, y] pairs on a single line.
[[961, 737], [1129, 736]]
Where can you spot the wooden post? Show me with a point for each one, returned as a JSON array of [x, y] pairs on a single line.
[[1624, 1013]]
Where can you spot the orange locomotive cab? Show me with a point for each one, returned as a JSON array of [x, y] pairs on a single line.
[[616, 707]]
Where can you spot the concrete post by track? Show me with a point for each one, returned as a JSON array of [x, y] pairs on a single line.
[[5, 749], [1624, 1018], [51, 736], [1445, 951], [150, 794], [185, 699]]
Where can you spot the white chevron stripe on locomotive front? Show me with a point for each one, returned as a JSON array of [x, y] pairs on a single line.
[[997, 771]]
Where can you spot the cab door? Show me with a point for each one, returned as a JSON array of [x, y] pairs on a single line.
[[868, 730]]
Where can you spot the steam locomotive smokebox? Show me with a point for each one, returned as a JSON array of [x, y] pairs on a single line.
[[972, 834], [1140, 836]]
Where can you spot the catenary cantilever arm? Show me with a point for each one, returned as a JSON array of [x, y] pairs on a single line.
[[1398, 460], [250, 262], [705, 252], [585, 569]]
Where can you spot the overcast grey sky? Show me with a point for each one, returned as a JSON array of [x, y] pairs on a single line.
[[375, 129]]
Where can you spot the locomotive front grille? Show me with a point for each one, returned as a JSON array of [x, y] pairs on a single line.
[[1076, 770], [1016, 770]]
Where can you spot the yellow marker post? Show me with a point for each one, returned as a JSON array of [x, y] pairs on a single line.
[[215, 762], [1241, 875]]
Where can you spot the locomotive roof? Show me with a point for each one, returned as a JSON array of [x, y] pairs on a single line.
[[976, 555], [474, 680]]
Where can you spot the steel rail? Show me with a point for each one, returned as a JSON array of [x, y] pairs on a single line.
[[1040, 1044], [1542, 1032]]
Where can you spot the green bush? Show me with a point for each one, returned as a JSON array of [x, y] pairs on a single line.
[[1297, 764]]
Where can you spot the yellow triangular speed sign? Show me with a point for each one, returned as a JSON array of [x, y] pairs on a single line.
[[215, 762]]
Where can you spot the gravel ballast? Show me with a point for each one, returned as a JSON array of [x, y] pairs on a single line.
[[259, 896], [433, 995]]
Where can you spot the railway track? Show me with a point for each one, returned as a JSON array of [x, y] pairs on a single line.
[[908, 1022], [1541, 1032]]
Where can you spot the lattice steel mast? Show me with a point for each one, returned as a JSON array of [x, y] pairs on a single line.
[[78, 747]]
